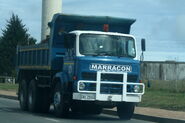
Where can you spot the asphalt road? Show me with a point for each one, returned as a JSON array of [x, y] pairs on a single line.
[[11, 113]]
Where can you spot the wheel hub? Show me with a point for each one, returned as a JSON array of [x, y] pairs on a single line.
[[30, 98], [21, 97], [57, 98]]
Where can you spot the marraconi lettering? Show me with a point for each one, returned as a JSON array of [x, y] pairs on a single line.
[[110, 68]]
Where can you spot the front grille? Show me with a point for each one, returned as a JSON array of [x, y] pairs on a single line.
[[89, 76], [108, 77], [111, 89], [112, 77], [132, 78], [108, 88]]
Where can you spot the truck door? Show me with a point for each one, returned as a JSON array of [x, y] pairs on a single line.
[[70, 44]]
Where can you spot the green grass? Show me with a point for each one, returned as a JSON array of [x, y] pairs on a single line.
[[168, 95], [8, 87], [163, 99], [171, 86]]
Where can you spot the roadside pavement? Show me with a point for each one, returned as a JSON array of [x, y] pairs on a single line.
[[143, 113], [8, 93], [154, 115]]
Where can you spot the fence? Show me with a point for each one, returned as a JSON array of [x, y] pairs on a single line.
[[150, 70], [168, 70], [7, 79]]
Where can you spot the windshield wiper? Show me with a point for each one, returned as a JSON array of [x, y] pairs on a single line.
[[130, 56], [126, 55], [91, 54], [98, 53], [105, 53]]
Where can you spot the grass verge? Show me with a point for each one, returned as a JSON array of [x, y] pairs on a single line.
[[168, 95], [163, 99], [8, 87]]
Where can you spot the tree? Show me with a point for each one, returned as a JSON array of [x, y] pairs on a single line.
[[15, 33]]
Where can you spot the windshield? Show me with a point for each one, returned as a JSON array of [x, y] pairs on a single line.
[[107, 45]]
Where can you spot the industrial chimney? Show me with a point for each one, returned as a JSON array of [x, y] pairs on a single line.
[[49, 8]]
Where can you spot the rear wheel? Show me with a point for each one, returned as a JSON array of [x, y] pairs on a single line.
[[23, 95], [38, 98], [33, 97], [61, 108], [125, 110]]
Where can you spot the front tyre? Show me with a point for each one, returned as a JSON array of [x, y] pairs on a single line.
[[125, 110], [61, 108]]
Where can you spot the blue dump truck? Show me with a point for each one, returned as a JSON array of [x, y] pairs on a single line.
[[87, 63]]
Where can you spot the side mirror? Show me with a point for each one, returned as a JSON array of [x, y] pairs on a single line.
[[69, 40], [143, 45]]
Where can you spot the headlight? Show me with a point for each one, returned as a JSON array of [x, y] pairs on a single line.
[[136, 89], [81, 86]]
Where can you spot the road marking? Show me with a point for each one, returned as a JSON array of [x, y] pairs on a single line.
[[50, 119]]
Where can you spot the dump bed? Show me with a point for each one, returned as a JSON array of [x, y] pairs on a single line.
[[44, 56], [33, 57]]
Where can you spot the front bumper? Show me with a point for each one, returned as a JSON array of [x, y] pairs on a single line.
[[98, 96]]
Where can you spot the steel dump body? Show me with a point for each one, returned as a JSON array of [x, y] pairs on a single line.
[[43, 56]]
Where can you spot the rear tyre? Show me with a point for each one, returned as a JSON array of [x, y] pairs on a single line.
[[33, 97], [44, 100], [125, 110], [38, 98], [61, 108], [23, 95]]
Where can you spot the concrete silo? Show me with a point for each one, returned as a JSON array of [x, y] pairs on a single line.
[[49, 8]]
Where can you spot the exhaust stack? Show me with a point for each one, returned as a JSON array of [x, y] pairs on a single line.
[[49, 8]]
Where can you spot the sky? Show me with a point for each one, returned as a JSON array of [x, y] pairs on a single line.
[[160, 22]]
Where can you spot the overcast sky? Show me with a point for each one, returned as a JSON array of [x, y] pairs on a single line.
[[161, 22]]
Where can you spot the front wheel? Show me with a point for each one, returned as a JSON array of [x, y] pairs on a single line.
[[61, 108], [125, 110]]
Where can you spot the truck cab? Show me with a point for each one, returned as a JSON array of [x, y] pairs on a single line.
[[104, 65], [104, 71]]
